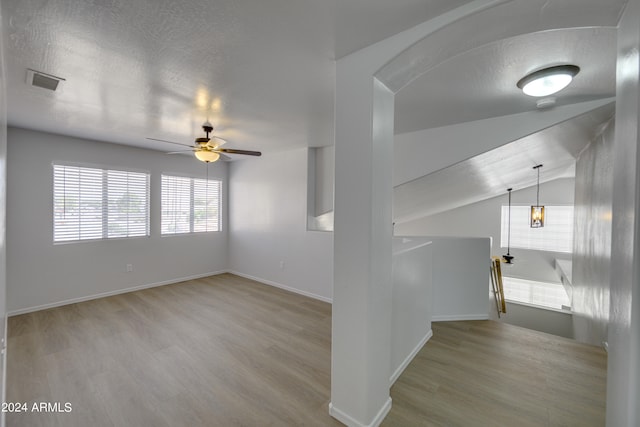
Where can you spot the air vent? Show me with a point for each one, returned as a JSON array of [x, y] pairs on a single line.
[[43, 80]]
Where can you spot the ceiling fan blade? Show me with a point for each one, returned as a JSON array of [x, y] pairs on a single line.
[[220, 141], [225, 158], [233, 151], [180, 152], [170, 142]]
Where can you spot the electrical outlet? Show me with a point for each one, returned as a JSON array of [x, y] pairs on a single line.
[[129, 268], [281, 265]]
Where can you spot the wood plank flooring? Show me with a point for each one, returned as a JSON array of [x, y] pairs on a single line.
[[219, 351], [485, 373], [227, 351]]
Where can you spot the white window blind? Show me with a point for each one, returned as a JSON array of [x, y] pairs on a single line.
[[542, 294], [91, 203], [190, 205], [555, 236]]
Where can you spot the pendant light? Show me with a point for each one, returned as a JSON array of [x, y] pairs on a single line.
[[537, 211], [508, 258]]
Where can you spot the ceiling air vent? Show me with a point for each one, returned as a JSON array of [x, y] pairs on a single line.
[[43, 80]]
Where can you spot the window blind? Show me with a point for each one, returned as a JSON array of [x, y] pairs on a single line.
[[555, 236], [91, 203], [537, 293], [190, 205]]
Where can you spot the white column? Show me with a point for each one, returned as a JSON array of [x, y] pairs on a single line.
[[623, 375], [361, 337]]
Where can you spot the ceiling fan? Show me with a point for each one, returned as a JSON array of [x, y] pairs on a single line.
[[208, 149]]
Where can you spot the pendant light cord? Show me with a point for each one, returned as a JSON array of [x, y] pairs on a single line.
[[538, 187], [206, 201], [509, 225]]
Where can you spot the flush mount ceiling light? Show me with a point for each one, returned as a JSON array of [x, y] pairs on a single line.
[[548, 80]]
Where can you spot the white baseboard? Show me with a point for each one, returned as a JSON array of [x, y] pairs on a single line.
[[454, 317], [111, 293], [281, 286], [351, 422], [396, 374]]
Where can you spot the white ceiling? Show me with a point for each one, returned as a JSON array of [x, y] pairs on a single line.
[[481, 83], [509, 166], [263, 71]]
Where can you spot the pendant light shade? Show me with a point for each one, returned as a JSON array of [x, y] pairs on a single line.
[[537, 211], [207, 156]]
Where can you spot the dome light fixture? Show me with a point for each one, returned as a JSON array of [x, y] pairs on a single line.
[[207, 156], [548, 81]]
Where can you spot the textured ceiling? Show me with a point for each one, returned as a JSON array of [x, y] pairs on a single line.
[[360, 23], [482, 82], [261, 71]]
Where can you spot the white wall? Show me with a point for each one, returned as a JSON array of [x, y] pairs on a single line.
[[412, 300], [539, 319], [3, 211], [40, 273], [461, 274], [269, 240], [623, 373], [482, 219], [592, 239]]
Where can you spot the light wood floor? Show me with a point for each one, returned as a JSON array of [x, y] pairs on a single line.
[[226, 351], [485, 373], [220, 351]]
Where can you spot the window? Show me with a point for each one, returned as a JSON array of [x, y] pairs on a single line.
[[549, 295], [555, 236], [190, 205], [91, 203]]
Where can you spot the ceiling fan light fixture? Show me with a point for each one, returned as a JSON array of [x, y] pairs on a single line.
[[207, 156], [548, 81]]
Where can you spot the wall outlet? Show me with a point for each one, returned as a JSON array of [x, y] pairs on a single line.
[[281, 265], [129, 268]]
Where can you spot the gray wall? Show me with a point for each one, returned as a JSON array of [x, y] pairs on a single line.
[[592, 239], [41, 274], [482, 219], [539, 319], [623, 335], [269, 241], [3, 209], [412, 300], [461, 274]]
